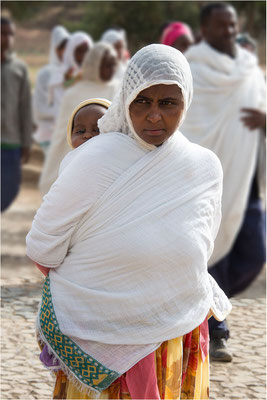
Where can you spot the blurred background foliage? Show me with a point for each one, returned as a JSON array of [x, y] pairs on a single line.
[[141, 19]]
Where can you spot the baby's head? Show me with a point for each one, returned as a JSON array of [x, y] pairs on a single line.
[[82, 125]]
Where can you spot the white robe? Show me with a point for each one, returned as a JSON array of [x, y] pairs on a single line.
[[44, 103], [44, 111], [128, 233], [222, 86]]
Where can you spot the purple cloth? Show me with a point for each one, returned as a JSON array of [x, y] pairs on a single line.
[[48, 359]]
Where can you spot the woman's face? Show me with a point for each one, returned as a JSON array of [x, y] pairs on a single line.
[[80, 52], [156, 113], [108, 66], [61, 48]]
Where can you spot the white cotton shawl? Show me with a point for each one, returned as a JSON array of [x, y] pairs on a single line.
[[112, 36], [129, 230], [56, 89], [76, 39], [59, 33], [89, 87], [44, 102], [222, 86]]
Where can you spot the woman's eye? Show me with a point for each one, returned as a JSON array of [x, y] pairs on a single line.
[[141, 101], [167, 103]]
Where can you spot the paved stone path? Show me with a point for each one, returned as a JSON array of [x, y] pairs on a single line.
[[23, 376]]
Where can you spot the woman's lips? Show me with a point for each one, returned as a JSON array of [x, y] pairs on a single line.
[[154, 132]]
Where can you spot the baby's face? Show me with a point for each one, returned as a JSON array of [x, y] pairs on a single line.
[[85, 124]]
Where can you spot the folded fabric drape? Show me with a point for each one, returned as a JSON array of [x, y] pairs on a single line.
[[127, 230], [113, 251], [222, 86]]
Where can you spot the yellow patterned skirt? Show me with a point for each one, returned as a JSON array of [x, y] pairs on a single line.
[[181, 373]]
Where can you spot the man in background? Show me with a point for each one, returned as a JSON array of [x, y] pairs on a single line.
[[227, 116], [16, 116]]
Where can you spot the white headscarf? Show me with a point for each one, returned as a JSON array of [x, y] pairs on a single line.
[[59, 33], [112, 36], [76, 39], [152, 65], [92, 61]]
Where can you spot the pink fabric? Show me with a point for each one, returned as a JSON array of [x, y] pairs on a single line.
[[173, 32], [204, 339], [44, 270], [141, 379]]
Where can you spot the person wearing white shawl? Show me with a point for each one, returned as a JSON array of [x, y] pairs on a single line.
[[44, 105], [100, 60], [68, 71], [127, 230], [117, 38], [79, 44], [228, 81]]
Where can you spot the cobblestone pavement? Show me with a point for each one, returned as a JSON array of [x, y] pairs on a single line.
[[23, 376]]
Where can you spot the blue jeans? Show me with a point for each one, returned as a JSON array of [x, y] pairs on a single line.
[[238, 269], [10, 176]]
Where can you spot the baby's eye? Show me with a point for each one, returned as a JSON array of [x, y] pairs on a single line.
[[95, 130], [80, 131]]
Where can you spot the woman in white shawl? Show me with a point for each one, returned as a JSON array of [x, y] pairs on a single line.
[[127, 230], [69, 70], [44, 105], [117, 38], [99, 67]]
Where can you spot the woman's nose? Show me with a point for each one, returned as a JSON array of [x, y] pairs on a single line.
[[154, 115]]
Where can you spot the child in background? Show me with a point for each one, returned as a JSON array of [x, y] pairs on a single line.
[[82, 126]]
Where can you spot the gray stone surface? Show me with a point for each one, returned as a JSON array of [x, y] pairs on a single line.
[[23, 376]]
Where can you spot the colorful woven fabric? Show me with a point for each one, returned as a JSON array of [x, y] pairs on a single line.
[[180, 374], [83, 368]]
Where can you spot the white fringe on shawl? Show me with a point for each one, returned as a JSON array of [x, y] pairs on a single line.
[[89, 391], [129, 231], [222, 86]]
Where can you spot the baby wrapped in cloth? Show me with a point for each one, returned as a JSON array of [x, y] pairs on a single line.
[[128, 229]]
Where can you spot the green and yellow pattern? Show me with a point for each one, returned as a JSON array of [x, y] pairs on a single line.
[[86, 369]]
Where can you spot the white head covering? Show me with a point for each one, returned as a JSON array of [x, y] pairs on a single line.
[[76, 39], [152, 65], [59, 33], [112, 36], [92, 61]]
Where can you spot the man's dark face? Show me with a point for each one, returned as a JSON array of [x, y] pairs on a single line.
[[7, 37], [221, 29]]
